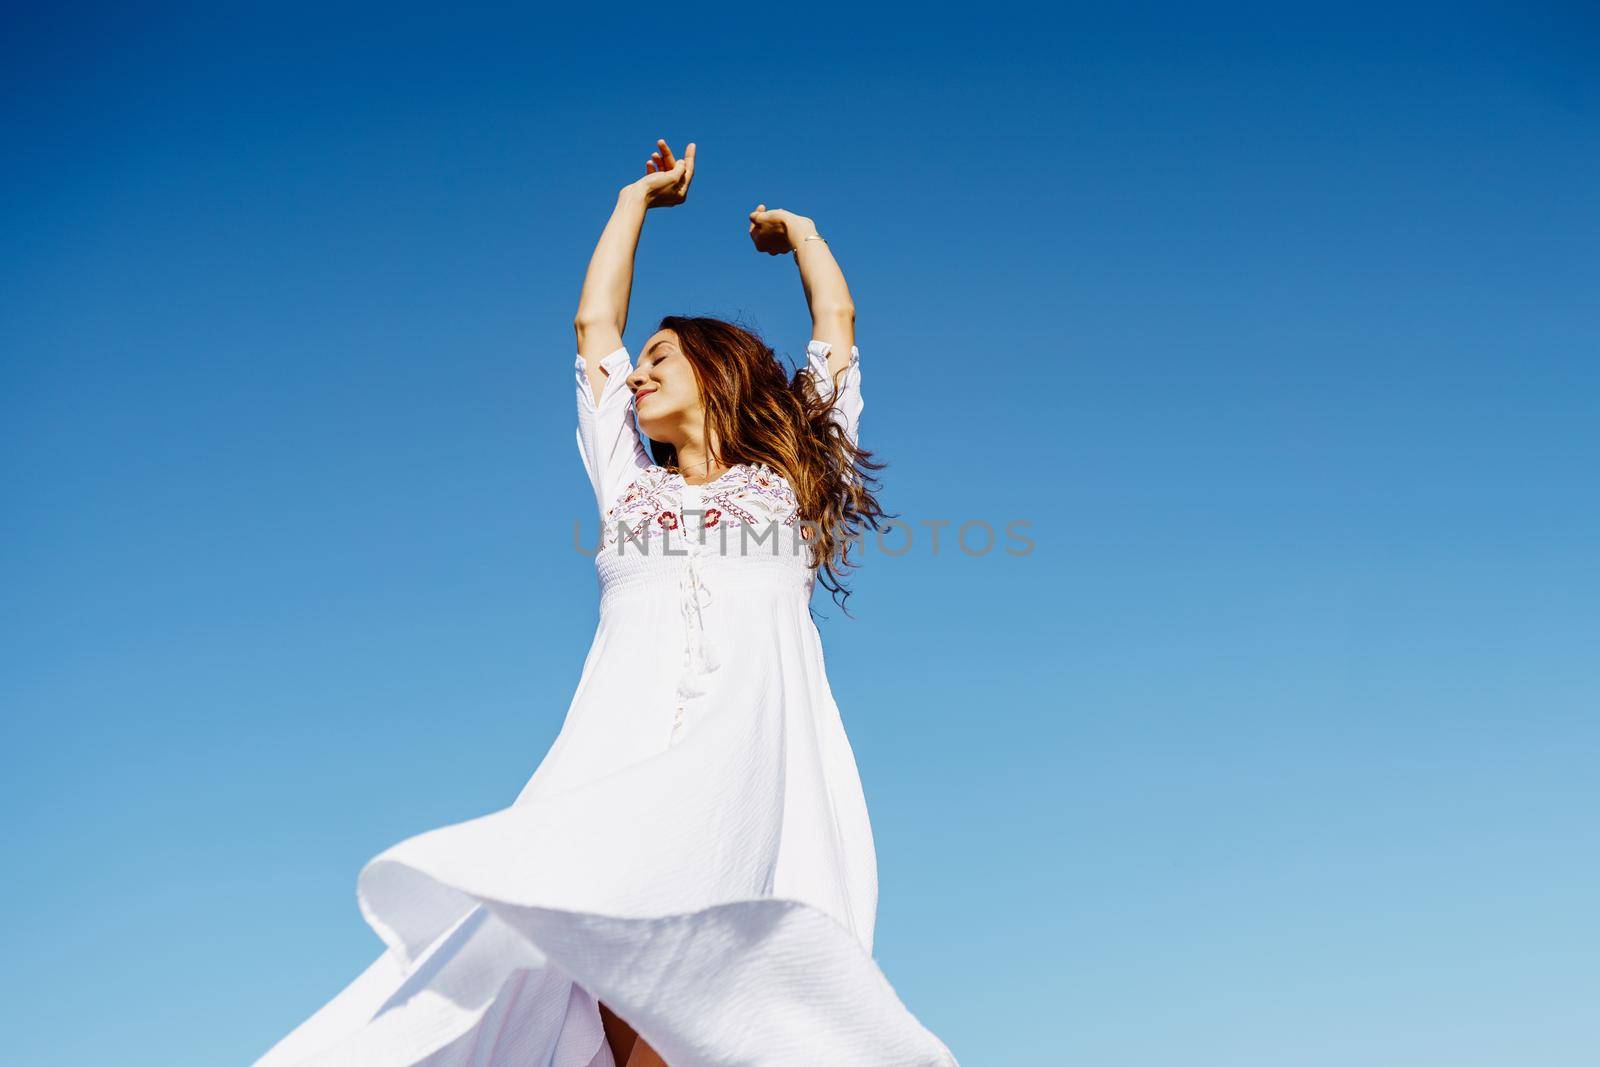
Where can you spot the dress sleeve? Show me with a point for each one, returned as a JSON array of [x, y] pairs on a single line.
[[848, 404], [609, 443]]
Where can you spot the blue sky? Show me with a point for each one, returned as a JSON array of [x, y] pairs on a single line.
[[1277, 325]]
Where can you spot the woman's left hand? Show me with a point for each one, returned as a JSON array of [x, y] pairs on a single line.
[[772, 230]]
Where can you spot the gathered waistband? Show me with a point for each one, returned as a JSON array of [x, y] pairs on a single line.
[[627, 576]]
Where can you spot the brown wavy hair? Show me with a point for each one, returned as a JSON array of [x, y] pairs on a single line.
[[760, 413]]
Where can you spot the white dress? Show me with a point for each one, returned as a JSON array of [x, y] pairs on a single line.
[[694, 848]]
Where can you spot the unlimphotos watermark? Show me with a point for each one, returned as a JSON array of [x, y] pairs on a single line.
[[668, 534]]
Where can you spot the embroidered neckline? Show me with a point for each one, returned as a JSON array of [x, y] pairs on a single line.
[[652, 505], [718, 480]]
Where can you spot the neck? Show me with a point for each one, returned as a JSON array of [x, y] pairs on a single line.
[[695, 462]]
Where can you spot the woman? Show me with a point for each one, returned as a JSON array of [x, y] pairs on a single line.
[[689, 877]]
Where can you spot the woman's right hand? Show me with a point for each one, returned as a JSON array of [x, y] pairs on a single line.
[[666, 178]]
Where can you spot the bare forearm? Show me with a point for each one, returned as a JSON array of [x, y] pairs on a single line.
[[833, 312], [609, 281], [826, 292]]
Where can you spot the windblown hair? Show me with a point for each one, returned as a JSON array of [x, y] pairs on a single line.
[[760, 414]]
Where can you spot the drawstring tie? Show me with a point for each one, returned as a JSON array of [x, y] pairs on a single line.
[[699, 655]]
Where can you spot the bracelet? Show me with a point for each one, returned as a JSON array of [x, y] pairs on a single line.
[[815, 237]]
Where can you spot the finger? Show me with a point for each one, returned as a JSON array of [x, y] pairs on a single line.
[[666, 154]]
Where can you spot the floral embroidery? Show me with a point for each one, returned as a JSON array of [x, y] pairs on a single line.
[[754, 494], [634, 518], [651, 507]]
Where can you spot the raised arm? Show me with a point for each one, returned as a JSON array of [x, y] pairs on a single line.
[[603, 304], [833, 313]]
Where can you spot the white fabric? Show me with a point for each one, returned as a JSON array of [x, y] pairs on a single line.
[[694, 849], [848, 404]]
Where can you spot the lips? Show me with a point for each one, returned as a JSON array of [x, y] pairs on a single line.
[[641, 395]]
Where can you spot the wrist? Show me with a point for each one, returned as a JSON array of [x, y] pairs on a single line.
[[798, 227], [633, 194]]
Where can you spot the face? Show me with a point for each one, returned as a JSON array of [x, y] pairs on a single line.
[[665, 392]]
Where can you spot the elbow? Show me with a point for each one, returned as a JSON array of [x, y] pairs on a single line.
[[590, 319], [834, 312]]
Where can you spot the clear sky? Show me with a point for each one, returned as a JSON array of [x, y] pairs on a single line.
[[1278, 325]]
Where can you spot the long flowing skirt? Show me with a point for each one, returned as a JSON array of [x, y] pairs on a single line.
[[710, 877]]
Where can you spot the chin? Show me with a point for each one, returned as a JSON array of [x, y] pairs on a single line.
[[658, 424]]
